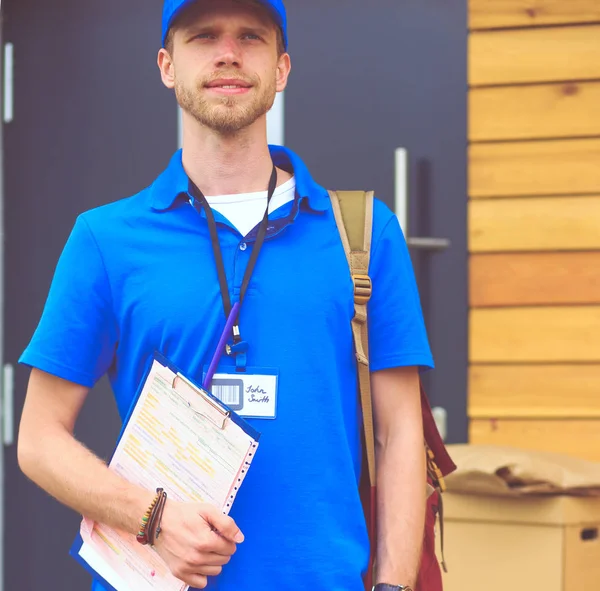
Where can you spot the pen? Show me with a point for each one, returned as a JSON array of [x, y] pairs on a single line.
[[221, 346]]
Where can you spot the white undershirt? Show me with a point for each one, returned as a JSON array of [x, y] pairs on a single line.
[[245, 210]]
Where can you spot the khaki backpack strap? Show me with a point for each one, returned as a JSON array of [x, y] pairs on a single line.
[[354, 216]]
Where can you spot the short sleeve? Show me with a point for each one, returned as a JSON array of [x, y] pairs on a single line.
[[76, 336], [397, 333]]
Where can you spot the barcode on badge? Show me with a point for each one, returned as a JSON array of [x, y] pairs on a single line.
[[229, 392]]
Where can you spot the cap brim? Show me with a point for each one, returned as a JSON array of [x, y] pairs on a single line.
[[174, 17], [274, 14]]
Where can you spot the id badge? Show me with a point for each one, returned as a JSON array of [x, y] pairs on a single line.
[[251, 394]]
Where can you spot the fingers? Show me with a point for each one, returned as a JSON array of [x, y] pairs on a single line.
[[201, 559], [219, 545], [209, 571], [197, 541], [226, 526], [203, 565], [197, 581]]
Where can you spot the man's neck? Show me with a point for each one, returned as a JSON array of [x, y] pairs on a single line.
[[228, 164]]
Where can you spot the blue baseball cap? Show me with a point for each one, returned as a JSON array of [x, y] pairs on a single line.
[[173, 8]]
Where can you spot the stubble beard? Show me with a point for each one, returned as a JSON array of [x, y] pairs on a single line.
[[230, 114]]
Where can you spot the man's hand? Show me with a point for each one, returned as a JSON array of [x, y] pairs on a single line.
[[196, 540]]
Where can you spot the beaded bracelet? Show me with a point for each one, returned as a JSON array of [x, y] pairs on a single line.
[[146, 533]]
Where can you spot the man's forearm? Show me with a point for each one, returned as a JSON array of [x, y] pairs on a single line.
[[401, 481], [71, 473]]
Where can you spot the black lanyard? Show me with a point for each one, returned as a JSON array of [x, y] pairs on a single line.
[[200, 200]]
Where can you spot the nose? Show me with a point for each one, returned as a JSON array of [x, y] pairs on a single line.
[[229, 53]]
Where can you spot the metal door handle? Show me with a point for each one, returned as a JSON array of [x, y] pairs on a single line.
[[8, 395], [8, 82], [402, 208], [440, 416], [429, 243]]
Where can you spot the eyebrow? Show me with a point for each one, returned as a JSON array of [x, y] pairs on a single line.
[[197, 28], [261, 31]]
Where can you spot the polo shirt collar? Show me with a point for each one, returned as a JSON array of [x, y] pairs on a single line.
[[174, 181]]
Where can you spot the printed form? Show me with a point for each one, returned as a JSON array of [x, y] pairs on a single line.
[[183, 441]]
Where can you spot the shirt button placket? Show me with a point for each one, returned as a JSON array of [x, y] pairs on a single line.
[[241, 262]]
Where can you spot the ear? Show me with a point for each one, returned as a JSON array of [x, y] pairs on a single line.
[[284, 67], [167, 68]]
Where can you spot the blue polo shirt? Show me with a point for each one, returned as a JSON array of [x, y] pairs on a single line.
[[138, 276]]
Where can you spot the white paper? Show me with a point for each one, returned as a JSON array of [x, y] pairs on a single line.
[[177, 440]]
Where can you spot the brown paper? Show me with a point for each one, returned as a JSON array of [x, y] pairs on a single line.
[[509, 471]]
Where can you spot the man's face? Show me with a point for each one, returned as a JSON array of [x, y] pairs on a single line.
[[224, 63]]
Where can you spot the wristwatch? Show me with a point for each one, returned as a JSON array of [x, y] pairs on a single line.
[[386, 587]]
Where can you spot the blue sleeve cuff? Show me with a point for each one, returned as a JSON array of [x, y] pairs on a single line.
[[50, 366], [423, 361]]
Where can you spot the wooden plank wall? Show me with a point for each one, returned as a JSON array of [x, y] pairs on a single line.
[[534, 224]]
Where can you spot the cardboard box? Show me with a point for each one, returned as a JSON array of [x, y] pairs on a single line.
[[495, 543]]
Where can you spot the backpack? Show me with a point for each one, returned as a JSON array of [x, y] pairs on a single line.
[[354, 217]]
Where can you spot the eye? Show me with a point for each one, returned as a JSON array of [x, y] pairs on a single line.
[[252, 37], [204, 36]]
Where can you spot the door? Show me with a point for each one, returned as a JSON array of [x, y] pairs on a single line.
[[367, 79], [92, 123]]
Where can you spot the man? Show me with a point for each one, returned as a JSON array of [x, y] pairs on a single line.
[[141, 275]]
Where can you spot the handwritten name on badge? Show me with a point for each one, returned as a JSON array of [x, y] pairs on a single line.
[[260, 396], [257, 398], [257, 394]]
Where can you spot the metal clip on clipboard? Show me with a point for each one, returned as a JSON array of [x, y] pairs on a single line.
[[213, 403]]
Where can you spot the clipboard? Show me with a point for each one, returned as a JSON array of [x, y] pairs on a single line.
[[219, 415]]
